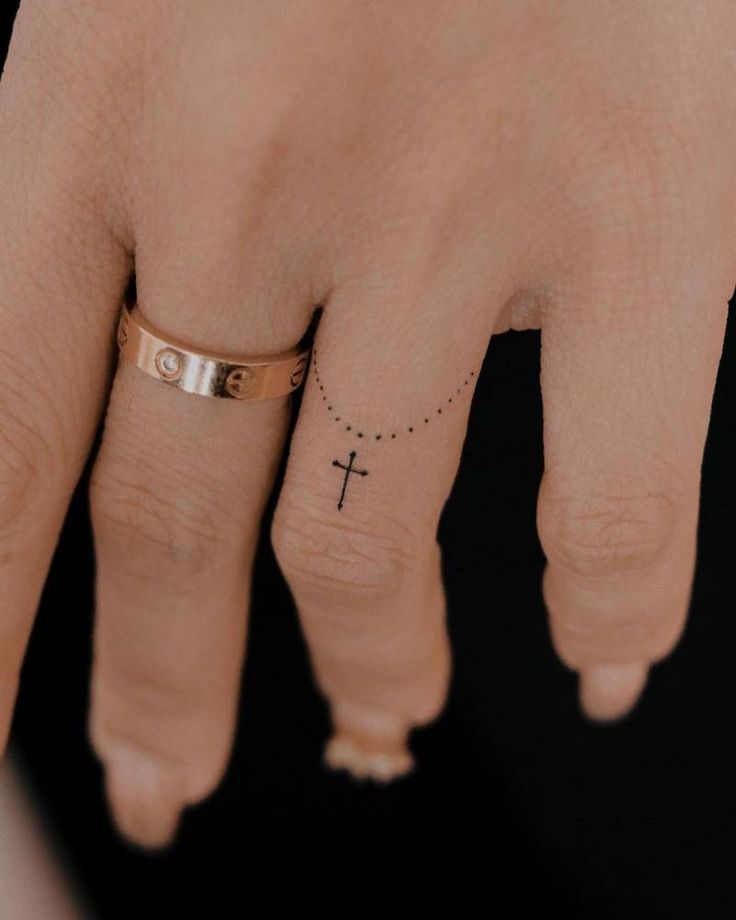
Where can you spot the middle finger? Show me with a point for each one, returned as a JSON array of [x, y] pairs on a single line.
[[177, 495]]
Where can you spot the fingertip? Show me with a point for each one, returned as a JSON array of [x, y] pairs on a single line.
[[146, 798], [608, 692], [382, 767], [369, 743]]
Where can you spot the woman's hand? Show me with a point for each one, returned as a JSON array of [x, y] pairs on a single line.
[[431, 172]]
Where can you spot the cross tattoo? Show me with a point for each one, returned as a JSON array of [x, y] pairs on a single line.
[[348, 470]]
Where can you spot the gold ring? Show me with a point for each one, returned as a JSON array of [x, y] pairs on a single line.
[[206, 374]]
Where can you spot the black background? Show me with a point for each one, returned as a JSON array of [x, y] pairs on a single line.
[[516, 796]]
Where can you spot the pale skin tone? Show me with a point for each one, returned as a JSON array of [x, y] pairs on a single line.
[[432, 172]]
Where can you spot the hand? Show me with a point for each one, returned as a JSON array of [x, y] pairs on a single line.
[[430, 172]]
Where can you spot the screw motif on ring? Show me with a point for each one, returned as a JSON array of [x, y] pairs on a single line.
[[297, 375], [240, 381], [169, 364]]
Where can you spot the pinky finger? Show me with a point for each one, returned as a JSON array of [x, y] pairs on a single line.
[[626, 418]]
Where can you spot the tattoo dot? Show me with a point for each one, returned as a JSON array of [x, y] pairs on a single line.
[[337, 418], [360, 434], [348, 428], [329, 408], [439, 412], [450, 399], [378, 437], [411, 429], [393, 435], [321, 388], [426, 420], [472, 373]]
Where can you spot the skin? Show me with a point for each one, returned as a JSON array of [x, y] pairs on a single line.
[[432, 172]]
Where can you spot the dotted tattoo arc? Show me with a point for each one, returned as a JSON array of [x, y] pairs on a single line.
[[393, 434]]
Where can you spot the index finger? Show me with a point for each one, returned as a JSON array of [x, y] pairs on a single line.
[[61, 277]]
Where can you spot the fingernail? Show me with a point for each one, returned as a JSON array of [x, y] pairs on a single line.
[[609, 691], [145, 796], [378, 766]]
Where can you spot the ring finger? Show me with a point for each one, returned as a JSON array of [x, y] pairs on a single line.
[[372, 461]]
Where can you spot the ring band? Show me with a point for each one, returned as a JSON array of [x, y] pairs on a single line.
[[204, 373]]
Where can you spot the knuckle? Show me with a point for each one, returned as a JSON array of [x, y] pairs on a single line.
[[67, 67], [626, 207], [362, 561], [594, 534], [633, 158], [155, 528]]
